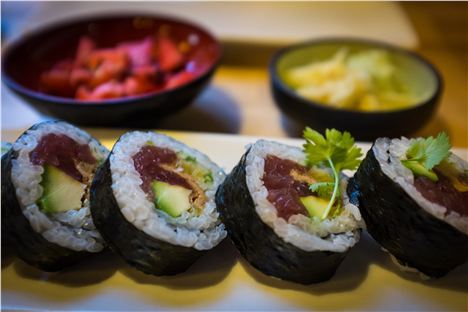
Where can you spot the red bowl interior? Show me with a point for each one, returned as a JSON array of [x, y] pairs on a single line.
[[26, 59]]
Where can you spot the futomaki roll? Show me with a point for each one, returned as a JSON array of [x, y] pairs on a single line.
[[413, 196], [46, 177], [279, 212], [153, 202], [5, 147]]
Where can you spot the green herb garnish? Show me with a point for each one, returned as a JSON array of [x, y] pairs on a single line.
[[190, 158], [323, 189], [425, 154], [208, 178], [187, 158], [336, 151]]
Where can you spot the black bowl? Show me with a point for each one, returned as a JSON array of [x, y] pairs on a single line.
[[25, 59], [363, 125]]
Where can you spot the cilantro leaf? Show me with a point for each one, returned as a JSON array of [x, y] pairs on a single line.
[[323, 189], [190, 158], [335, 150], [337, 146], [316, 148], [424, 154], [208, 178], [437, 150]]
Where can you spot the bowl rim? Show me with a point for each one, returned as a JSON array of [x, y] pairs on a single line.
[[69, 21], [277, 82]]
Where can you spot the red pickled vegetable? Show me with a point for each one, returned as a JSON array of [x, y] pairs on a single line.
[[136, 85], [57, 80], [85, 47], [107, 90], [170, 58], [83, 93], [128, 69], [179, 79], [139, 52], [80, 76]]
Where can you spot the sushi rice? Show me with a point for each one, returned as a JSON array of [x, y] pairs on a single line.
[[73, 229], [201, 232], [335, 234], [389, 152], [420, 235], [301, 249]]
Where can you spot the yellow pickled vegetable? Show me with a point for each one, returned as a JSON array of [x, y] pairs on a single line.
[[364, 81]]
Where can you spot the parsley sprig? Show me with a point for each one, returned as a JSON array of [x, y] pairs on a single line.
[[424, 154], [335, 150]]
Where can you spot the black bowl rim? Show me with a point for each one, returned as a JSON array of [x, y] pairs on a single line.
[[277, 82], [58, 100]]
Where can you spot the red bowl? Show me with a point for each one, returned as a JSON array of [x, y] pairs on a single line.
[[25, 59]]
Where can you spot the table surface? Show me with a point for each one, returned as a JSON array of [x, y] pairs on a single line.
[[239, 100], [442, 29]]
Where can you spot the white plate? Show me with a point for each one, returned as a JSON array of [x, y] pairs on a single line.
[[221, 280]]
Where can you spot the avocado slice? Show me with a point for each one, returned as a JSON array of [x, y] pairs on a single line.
[[456, 178], [315, 206], [172, 199], [61, 192]]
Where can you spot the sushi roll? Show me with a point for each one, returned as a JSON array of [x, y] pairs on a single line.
[[413, 196], [46, 177], [276, 221], [5, 147], [153, 202]]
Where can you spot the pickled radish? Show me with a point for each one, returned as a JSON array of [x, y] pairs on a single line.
[[131, 68]]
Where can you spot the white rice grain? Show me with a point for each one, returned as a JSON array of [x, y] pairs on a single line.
[[71, 229], [337, 234], [389, 154], [200, 232]]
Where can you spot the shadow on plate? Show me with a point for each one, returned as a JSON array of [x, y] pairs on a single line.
[[353, 272], [209, 270], [92, 270], [350, 274], [213, 111], [8, 254], [456, 280]]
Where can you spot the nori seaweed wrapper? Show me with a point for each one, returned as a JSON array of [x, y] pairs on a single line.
[[140, 250], [30, 246], [259, 244], [415, 237]]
